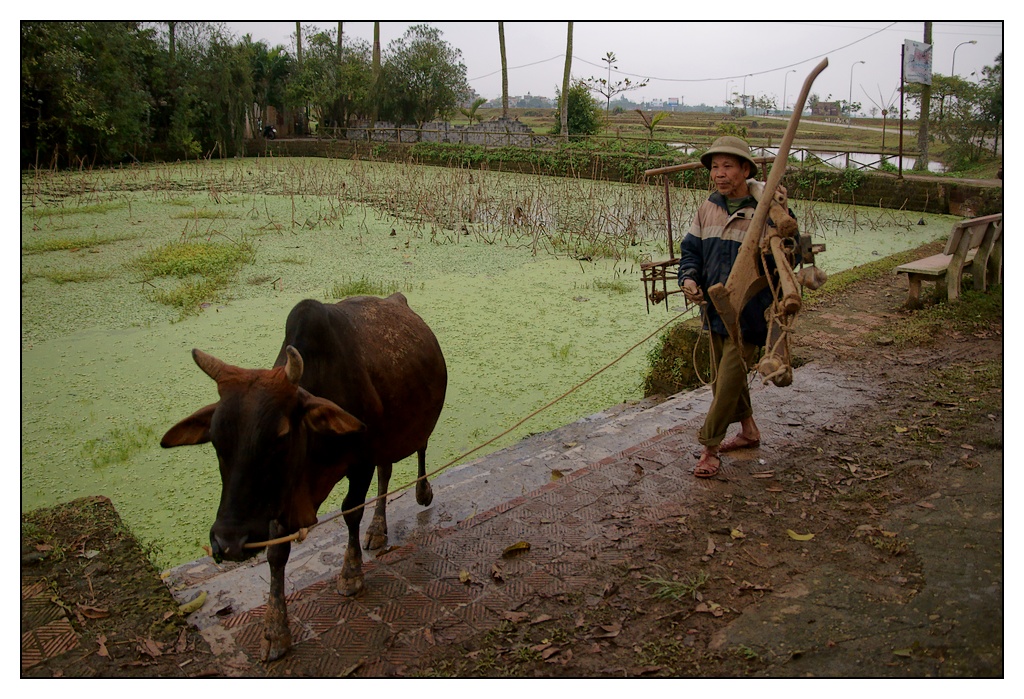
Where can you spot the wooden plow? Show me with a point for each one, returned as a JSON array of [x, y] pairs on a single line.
[[748, 275]]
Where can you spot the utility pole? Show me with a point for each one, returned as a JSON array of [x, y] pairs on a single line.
[[922, 120]]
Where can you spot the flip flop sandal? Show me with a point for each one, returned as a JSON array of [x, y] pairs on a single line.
[[738, 442], [708, 466]]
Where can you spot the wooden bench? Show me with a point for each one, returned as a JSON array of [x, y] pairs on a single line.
[[975, 245]]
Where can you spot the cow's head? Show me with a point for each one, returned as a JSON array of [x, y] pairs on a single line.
[[260, 428]]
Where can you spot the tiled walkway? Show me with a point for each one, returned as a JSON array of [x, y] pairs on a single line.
[[415, 596]]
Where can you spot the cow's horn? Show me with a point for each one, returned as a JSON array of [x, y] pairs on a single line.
[[293, 369], [208, 363]]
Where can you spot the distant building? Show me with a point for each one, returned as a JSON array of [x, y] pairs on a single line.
[[825, 109]]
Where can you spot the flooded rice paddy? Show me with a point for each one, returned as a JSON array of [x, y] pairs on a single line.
[[531, 285]]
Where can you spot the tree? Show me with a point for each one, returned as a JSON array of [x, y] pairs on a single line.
[[991, 99], [270, 70], [563, 105], [605, 86], [584, 113], [355, 81], [89, 89], [471, 113], [504, 71], [213, 93], [375, 87], [423, 77], [973, 113], [650, 123], [317, 81]]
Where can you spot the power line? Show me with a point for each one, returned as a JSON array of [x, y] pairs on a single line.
[[762, 72]]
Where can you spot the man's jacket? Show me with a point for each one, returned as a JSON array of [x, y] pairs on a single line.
[[707, 254]]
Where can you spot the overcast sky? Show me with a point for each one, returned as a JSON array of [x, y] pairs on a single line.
[[697, 61]]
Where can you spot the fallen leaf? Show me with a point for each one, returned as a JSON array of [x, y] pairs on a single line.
[[711, 546], [737, 534], [967, 446], [904, 652], [540, 647], [763, 474], [799, 537], [150, 647], [93, 612], [194, 605], [609, 631], [901, 430], [44, 547], [515, 549], [712, 608], [541, 619], [102, 641], [556, 474], [926, 505], [496, 572], [610, 589], [515, 617], [464, 577]]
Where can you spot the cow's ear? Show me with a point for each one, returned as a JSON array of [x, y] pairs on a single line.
[[195, 429], [326, 417]]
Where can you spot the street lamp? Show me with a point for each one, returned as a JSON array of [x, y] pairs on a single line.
[[952, 68], [727, 84], [784, 81], [849, 102]]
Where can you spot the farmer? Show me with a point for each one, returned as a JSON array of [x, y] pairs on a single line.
[[706, 257]]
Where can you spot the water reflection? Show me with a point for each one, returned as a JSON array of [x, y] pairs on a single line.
[[837, 159]]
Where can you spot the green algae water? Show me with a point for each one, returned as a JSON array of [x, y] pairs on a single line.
[[504, 268]]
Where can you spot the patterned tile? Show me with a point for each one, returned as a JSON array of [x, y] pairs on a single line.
[[47, 641]]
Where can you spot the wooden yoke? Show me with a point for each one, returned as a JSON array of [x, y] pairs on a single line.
[[745, 280]]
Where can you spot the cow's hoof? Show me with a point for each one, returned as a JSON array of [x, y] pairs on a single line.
[[350, 586], [375, 541], [273, 647], [424, 493]]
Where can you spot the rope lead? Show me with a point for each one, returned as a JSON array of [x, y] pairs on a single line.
[[302, 533]]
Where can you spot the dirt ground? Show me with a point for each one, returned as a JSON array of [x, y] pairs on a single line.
[[728, 587]]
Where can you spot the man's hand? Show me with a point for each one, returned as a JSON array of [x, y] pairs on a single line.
[[692, 292]]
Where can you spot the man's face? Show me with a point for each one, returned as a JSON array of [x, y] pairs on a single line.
[[729, 174]]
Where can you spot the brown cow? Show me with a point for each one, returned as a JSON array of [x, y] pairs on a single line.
[[357, 384]]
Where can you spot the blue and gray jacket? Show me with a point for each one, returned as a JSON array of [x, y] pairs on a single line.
[[707, 254]]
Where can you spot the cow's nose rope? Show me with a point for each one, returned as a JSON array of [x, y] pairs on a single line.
[[302, 533]]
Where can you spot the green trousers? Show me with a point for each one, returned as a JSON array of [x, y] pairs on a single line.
[[731, 395]]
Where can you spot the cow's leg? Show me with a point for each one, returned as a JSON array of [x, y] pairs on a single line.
[[277, 638], [424, 493], [350, 582], [377, 532]]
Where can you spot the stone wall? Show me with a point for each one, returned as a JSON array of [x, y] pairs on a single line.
[[495, 133]]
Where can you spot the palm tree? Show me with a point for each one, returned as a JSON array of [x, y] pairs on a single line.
[[565, 83], [504, 71], [375, 89]]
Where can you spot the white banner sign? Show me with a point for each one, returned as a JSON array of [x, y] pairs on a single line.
[[917, 62]]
